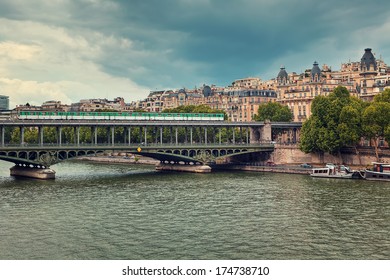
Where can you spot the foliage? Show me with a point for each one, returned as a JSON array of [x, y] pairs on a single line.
[[376, 119], [274, 111], [335, 122], [383, 96]]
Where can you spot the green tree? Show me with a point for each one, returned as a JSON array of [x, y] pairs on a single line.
[[376, 122], [335, 122], [350, 126], [384, 96], [273, 111]]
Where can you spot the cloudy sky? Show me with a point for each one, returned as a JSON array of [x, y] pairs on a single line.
[[68, 50]]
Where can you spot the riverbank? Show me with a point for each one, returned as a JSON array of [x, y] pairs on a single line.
[[274, 169]]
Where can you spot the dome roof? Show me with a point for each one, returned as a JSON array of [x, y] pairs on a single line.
[[368, 60], [315, 72], [206, 91], [282, 76]]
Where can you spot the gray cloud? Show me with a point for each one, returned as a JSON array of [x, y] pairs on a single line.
[[175, 43]]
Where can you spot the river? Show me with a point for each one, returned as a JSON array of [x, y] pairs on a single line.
[[117, 211]]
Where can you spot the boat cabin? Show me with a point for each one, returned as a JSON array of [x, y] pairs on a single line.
[[381, 167]]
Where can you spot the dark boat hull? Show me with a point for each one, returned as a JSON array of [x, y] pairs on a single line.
[[377, 176]]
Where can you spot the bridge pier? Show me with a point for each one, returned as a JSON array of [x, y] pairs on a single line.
[[183, 168], [32, 172]]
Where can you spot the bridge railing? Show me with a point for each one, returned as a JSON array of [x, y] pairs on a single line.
[[132, 145]]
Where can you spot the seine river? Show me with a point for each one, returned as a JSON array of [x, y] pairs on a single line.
[[100, 211]]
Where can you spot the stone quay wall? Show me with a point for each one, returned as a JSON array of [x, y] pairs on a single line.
[[290, 154]]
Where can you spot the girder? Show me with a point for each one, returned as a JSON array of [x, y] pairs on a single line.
[[47, 156]]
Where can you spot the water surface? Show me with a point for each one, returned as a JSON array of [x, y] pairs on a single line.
[[101, 211]]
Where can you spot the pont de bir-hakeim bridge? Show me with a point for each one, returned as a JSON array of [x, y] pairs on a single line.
[[35, 145]]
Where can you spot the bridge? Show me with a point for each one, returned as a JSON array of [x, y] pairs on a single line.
[[43, 143]]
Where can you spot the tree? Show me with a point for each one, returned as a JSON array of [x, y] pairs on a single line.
[[309, 134], [376, 122], [350, 126], [335, 122], [274, 111], [383, 96]]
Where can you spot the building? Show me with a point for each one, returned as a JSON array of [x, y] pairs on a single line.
[[4, 102], [98, 104], [54, 106], [363, 79]]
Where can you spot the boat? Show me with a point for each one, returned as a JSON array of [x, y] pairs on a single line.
[[380, 172], [332, 172]]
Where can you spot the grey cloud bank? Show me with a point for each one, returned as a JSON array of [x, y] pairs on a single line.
[[68, 50]]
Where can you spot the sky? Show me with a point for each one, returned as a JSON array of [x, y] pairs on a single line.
[[69, 50]]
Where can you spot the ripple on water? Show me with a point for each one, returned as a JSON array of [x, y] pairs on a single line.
[[96, 211]]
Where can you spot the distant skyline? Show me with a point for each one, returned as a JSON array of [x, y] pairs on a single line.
[[70, 50]]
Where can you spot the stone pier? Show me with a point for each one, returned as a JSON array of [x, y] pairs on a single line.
[[32, 172], [183, 168]]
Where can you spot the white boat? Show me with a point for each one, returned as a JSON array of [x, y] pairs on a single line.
[[380, 172], [332, 172]]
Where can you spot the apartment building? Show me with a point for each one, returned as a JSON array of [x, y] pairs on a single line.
[[363, 79]]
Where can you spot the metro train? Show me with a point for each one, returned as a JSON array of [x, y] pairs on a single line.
[[131, 116]]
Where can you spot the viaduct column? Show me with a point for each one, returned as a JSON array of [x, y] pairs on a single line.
[[145, 134], [129, 134], [78, 136], [95, 134], [40, 135], [254, 135], [2, 136], [59, 135], [266, 132], [21, 135], [161, 135], [112, 135]]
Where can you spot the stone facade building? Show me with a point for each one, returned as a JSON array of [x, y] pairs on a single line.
[[363, 79]]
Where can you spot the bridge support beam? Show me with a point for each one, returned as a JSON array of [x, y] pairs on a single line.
[[266, 132], [59, 135], [2, 136], [40, 135], [161, 135], [32, 172], [112, 136], [22, 135]]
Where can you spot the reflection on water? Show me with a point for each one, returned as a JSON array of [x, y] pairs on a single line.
[[100, 211]]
